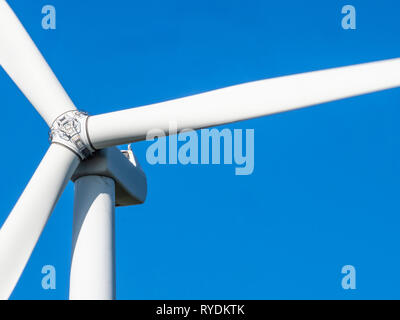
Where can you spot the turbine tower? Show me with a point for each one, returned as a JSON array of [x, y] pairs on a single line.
[[83, 149]]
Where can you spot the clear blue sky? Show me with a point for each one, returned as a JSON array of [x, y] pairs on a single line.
[[325, 189]]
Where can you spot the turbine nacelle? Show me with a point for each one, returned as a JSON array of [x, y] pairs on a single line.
[[130, 180]]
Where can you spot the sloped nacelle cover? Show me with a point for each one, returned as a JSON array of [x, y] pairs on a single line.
[[130, 180]]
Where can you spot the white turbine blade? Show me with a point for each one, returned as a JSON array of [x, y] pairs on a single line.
[[21, 231], [245, 101], [29, 70]]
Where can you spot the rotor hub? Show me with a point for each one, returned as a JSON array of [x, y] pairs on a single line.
[[70, 130]]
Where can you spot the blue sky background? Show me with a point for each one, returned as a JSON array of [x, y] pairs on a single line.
[[325, 189]]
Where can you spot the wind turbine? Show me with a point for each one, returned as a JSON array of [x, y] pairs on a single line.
[[83, 149]]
